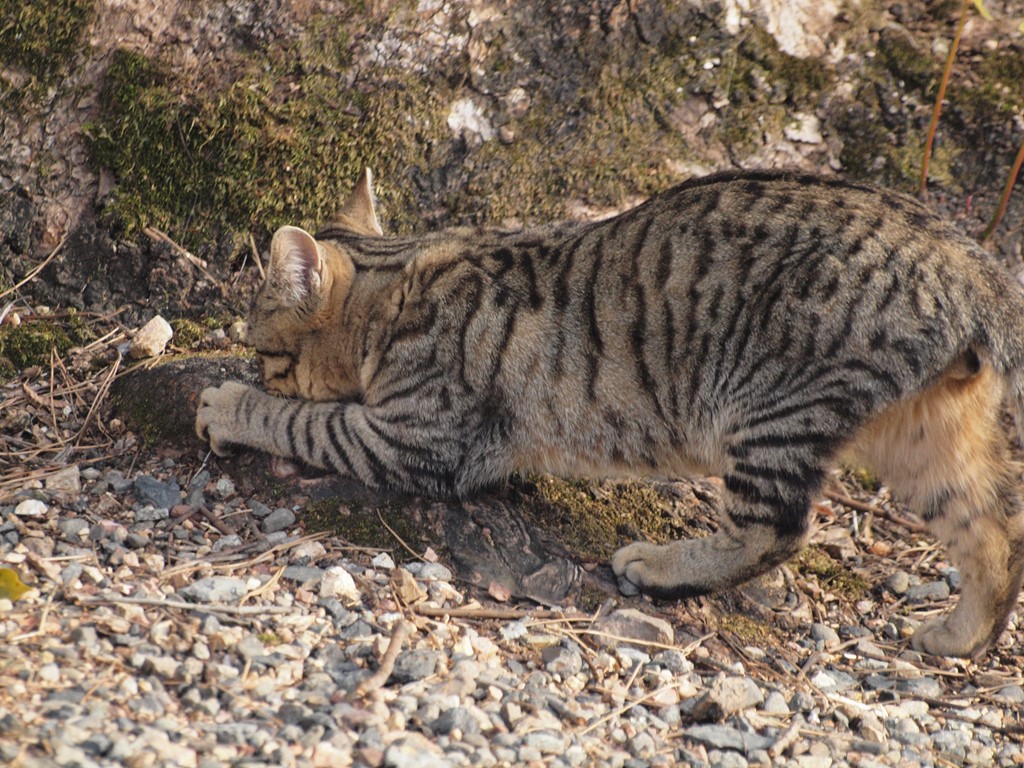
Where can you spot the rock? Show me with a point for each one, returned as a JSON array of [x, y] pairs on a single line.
[[66, 483], [151, 339], [215, 589], [74, 528], [825, 635], [727, 696], [416, 664], [278, 520], [833, 680], [775, 704], [933, 590], [338, 582], [626, 624], [898, 583], [561, 661], [383, 561], [927, 687], [460, 718], [724, 737], [161, 495], [31, 508], [414, 751], [1011, 694]]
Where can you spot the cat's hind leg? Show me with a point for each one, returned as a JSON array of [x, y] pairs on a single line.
[[765, 521], [945, 453]]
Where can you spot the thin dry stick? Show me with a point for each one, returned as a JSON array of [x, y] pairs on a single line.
[[100, 397], [938, 99], [256, 257], [398, 538], [28, 278], [403, 629], [510, 614], [238, 610], [1005, 200], [860, 506]]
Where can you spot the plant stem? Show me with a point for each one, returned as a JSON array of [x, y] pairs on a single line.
[[938, 99], [1005, 200]]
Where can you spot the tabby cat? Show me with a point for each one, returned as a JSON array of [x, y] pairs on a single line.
[[750, 325]]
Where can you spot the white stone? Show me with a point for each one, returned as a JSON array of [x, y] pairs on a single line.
[[806, 130], [337, 582], [151, 339], [31, 508], [467, 119]]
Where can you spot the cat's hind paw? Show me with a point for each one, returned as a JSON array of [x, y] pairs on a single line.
[[940, 638]]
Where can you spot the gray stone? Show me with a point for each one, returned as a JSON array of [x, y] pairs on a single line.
[[561, 661], [215, 589], [74, 528], [724, 737], [775, 704], [626, 624], [278, 520], [545, 741], [825, 635], [1011, 694], [898, 583], [149, 490], [259, 509], [928, 687], [833, 680], [303, 574], [933, 590], [460, 718], [726, 697], [415, 665]]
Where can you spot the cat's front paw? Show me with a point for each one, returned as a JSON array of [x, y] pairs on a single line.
[[217, 418], [637, 568]]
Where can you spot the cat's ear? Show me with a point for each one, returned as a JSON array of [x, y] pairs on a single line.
[[359, 212], [296, 266]]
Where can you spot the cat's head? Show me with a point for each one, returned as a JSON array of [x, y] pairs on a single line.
[[294, 325]]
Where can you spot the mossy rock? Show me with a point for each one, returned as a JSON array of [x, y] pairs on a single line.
[[35, 341], [830, 573], [41, 39]]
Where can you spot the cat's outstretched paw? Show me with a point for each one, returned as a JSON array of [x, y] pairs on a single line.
[[651, 568], [217, 416]]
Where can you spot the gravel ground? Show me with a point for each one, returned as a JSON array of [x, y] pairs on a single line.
[[173, 622]]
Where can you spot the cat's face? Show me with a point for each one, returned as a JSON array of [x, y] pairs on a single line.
[[295, 324]]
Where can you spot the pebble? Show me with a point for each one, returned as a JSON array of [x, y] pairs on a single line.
[[278, 520], [727, 696], [933, 590], [31, 508], [159, 494], [626, 624], [215, 589], [151, 339]]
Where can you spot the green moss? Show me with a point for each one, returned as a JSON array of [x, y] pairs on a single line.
[[42, 38], [274, 147], [593, 519], [749, 631], [831, 574], [33, 342], [362, 527], [905, 59]]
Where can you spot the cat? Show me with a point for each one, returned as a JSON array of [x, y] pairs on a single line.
[[751, 325]]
